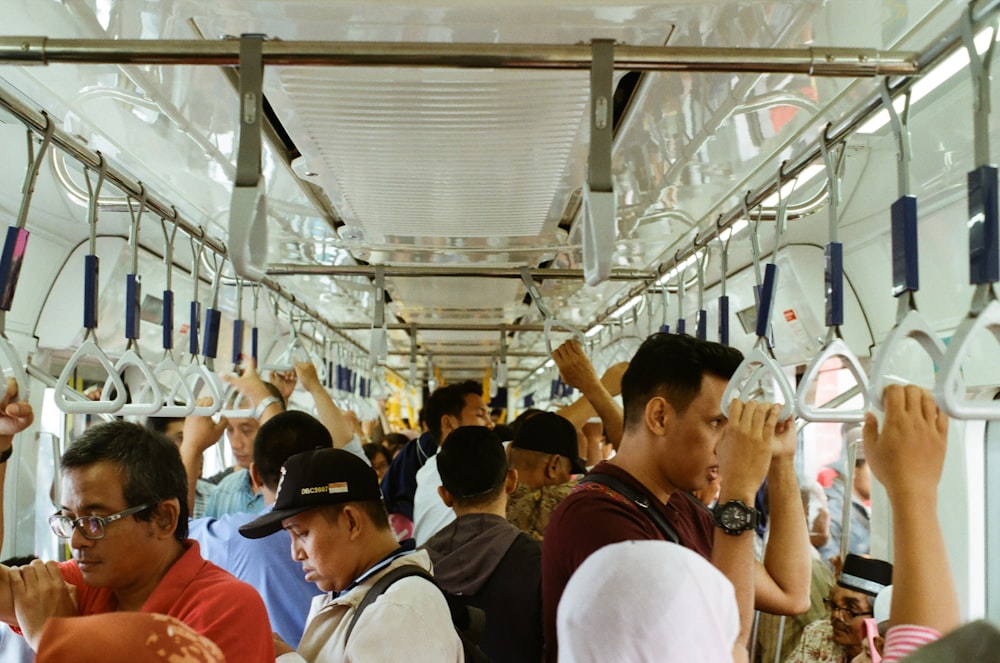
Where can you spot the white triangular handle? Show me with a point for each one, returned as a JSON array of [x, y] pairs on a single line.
[[231, 409], [198, 374], [13, 367], [949, 389], [88, 349], [148, 398], [836, 348], [759, 370], [912, 326], [181, 390]]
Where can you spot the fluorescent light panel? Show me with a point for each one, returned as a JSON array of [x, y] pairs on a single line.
[[933, 79], [626, 307]]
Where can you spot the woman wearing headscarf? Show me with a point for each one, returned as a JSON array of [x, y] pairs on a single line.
[[638, 601]]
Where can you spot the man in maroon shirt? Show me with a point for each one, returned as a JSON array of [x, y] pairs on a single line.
[[676, 439]]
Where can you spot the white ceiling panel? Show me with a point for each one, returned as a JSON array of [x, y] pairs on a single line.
[[431, 153]]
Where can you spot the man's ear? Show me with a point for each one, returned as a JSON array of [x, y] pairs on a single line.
[[510, 483], [165, 517], [552, 466], [657, 414], [448, 424], [256, 482], [446, 497], [354, 520]]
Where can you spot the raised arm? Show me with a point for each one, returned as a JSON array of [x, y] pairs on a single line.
[[784, 579], [744, 456], [576, 370], [907, 456], [253, 389], [326, 410], [200, 433], [14, 418]]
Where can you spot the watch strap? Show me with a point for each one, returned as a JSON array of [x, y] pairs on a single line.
[[5, 456], [264, 404]]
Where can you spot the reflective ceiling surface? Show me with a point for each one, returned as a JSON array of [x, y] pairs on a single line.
[[460, 167]]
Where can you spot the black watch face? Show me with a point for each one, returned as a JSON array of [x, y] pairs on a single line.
[[734, 517]]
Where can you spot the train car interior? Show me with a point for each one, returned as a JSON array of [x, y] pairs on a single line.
[[410, 194]]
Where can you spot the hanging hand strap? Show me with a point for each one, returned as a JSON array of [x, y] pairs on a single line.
[[724, 269], [89, 350], [834, 345], [146, 396], [759, 376], [550, 321], [984, 250]]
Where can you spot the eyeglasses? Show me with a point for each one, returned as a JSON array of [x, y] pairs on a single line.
[[833, 607], [91, 527]]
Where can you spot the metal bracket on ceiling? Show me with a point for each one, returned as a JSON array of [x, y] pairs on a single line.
[[248, 210], [501, 374], [413, 354], [379, 337], [599, 213]]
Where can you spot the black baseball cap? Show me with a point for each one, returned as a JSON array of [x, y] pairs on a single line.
[[316, 478], [550, 433], [472, 462]]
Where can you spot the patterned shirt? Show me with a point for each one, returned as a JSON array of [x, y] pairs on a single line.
[[529, 509], [817, 645]]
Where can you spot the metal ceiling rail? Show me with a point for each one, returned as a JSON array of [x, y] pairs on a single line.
[[815, 61], [289, 269], [38, 122], [835, 133], [466, 353], [446, 326]]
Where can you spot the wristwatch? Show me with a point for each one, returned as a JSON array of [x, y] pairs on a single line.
[[735, 517], [4, 456]]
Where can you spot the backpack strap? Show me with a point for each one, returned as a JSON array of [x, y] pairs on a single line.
[[380, 587], [470, 622], [634, 497]]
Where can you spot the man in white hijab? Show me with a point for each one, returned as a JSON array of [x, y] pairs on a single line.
[[639, 601]]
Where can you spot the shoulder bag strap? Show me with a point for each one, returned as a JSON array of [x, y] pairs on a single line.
[[640, 501]]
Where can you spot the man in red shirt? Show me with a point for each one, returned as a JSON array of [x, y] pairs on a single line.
[[124, 511], [676, 440]]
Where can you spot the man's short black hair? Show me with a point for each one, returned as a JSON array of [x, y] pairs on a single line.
[[672, 366], [473, 465], [449, 399], [281, 437], [150, 465], [159, 424]]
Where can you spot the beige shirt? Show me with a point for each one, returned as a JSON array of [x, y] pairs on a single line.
[[409, 622]]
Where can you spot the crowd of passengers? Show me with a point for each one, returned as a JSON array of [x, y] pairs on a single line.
[[600, 532]]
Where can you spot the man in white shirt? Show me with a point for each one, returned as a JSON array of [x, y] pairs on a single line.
[[447, 409], [329, 502]]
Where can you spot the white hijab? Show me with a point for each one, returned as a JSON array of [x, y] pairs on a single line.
[[639, 601]]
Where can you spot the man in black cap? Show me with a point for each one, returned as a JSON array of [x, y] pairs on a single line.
[[480, 556], [841, 637], [329, 501], [545, 455]]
